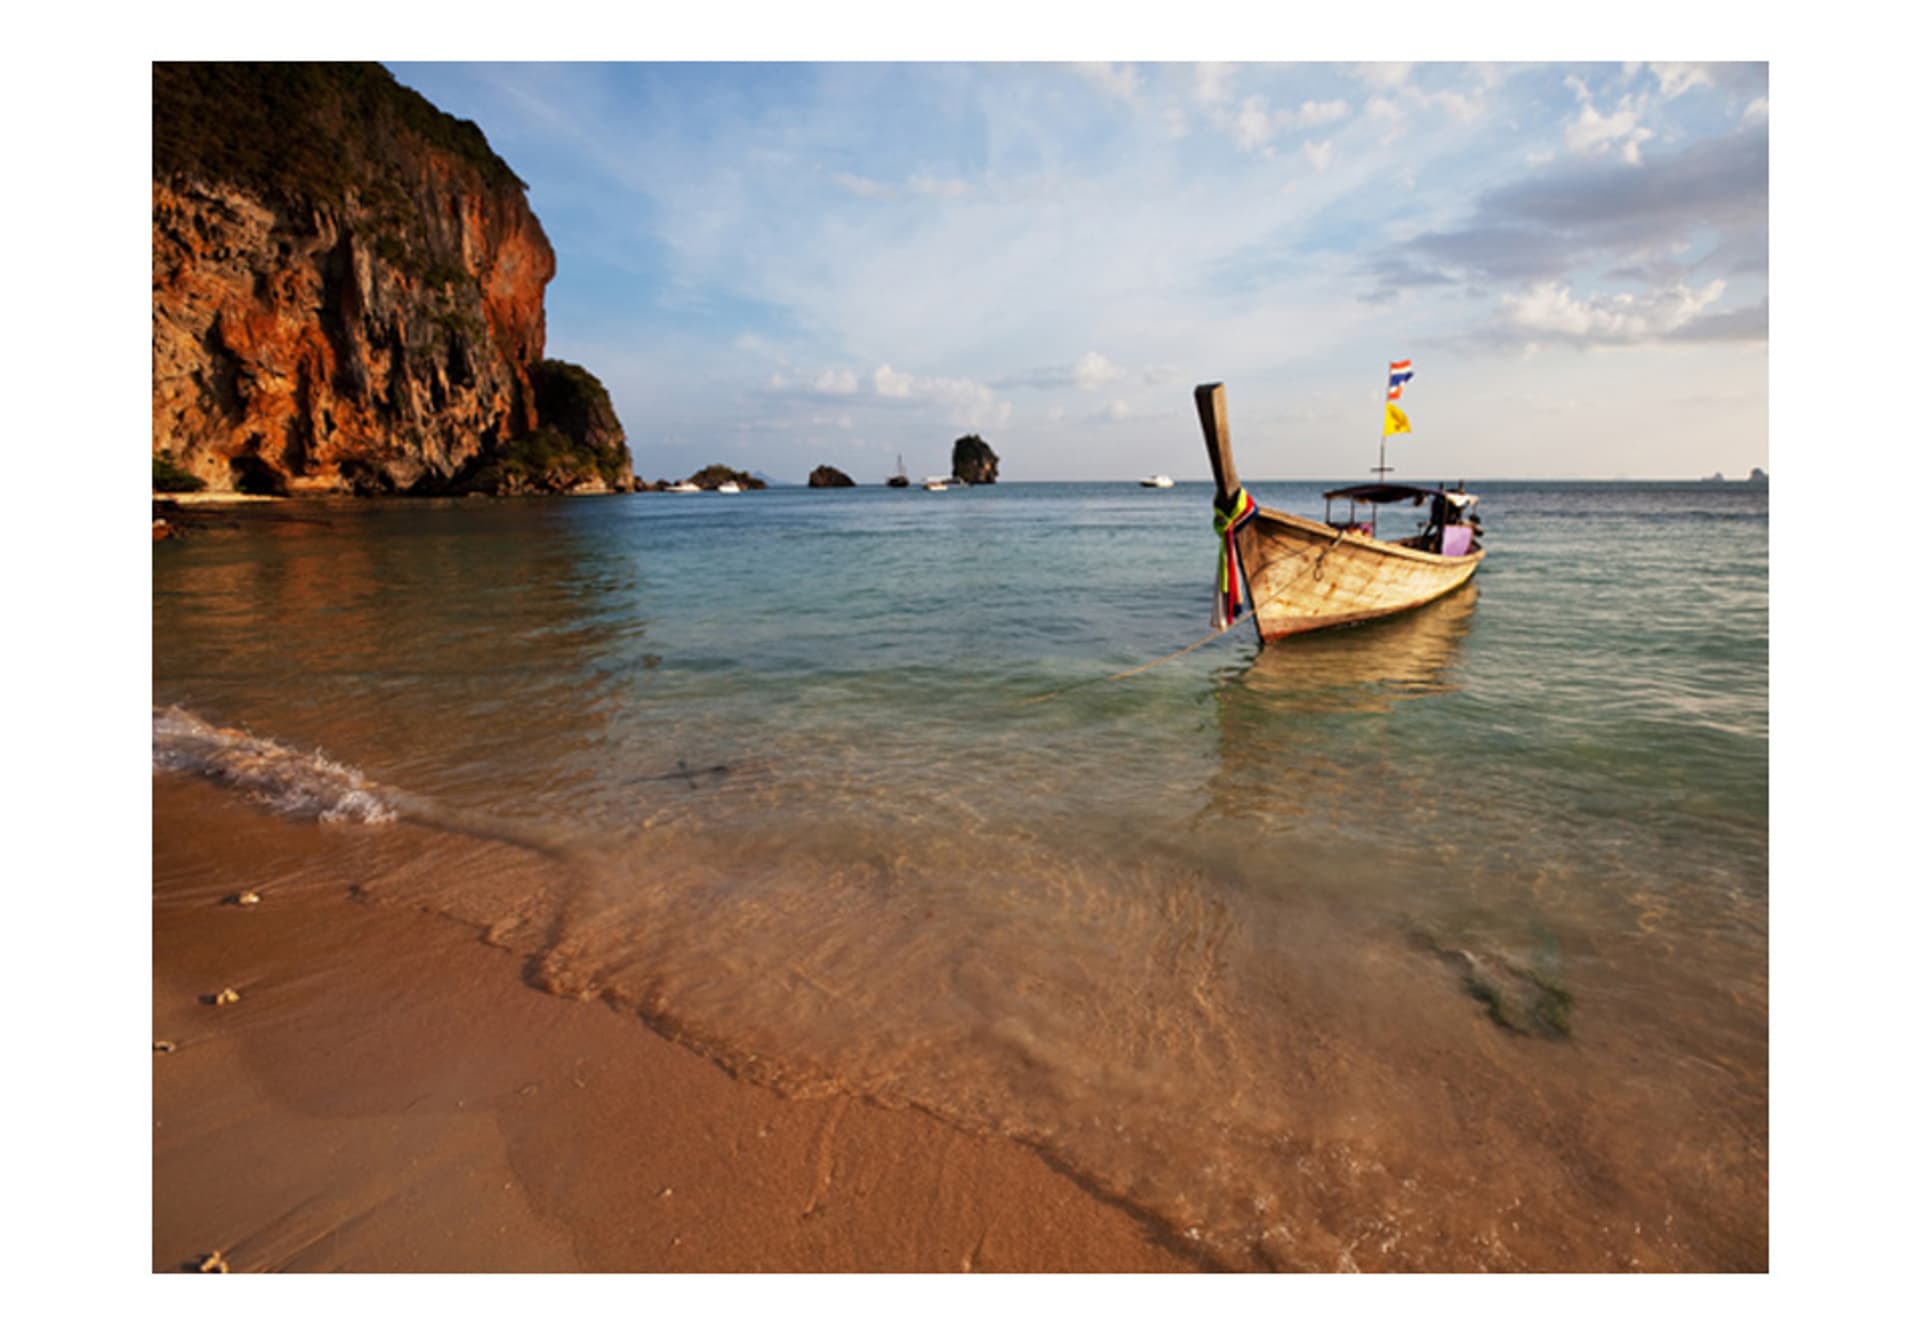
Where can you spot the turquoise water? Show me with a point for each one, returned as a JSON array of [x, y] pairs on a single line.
[[1439, 942]]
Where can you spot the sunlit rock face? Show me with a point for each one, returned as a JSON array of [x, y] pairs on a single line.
[[348, 289]]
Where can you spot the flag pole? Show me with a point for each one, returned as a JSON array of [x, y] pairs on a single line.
[[1382, 470]]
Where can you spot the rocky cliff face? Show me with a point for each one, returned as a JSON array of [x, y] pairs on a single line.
[[348, 290]]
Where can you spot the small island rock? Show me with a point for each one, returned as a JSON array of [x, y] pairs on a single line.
[[828, 475], [974, 461]]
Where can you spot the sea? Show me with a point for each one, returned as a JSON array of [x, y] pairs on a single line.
[[1434, 943]]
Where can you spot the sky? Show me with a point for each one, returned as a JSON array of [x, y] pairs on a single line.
[[779, 265]]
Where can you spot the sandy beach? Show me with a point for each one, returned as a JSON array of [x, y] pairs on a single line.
[[388, 1094]]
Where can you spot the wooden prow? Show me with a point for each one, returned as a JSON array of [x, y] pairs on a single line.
[[1211, 399]]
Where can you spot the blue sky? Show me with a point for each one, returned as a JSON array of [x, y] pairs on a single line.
[[780, 265]]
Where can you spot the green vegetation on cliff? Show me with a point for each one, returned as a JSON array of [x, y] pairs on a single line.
[[301, 129], [546, 460], [170, 476]]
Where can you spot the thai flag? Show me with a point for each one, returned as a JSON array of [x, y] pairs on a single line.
[[1398, 373]]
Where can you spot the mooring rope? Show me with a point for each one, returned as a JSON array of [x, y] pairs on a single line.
[[1131, 671]]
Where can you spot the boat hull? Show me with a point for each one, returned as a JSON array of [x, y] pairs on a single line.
[[1303, 575]]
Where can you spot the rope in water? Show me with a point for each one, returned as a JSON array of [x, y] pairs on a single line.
[[1131, 671]]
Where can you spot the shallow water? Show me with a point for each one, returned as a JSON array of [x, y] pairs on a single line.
[[1438, 943]]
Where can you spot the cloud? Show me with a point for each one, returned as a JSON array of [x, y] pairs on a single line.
[[1385, 73], [1213, 82], [862, 186], [1756, 112], [939, 187], [1121, 81], [1609, 213], [1676, 77], [1254, 126], [964, 402], [1590, 132], [1740, 79], [1094, 370], [1118, 410], [837, 382], [889, 383], [1322, 113], [1550, 311], [1090, 372], [1748, 324], [1319, 154]]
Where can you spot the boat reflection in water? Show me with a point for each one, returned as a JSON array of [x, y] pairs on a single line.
[[1367, 668], [1290, 755]]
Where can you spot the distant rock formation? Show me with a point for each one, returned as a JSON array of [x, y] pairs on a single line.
[[828, 475], [713, 474], [974, 461], [1758, 477], [349, 295]]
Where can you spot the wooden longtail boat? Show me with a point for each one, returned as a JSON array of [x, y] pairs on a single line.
[[1302, 574]]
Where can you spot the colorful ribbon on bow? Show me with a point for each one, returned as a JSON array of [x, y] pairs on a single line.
[[1231, 599]]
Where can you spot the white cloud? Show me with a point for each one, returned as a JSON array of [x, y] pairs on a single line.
[[1676, 77], [939, 187], [1094, 370], [1591, 133], [1121, 81], [889, 383], [1213, 83], [1319, 154], [862, 186], [1385, 73], [1118, 410], [1322, 113], [1254, 126], [965, 402], [1551, 310], [1756, 112], [837, 382]]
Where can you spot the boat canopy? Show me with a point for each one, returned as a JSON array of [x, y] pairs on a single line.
[[1391, 493]]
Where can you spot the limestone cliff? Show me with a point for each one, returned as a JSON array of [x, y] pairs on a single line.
[[348, 293]]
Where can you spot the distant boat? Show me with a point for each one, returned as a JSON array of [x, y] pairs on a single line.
[[1159, 479], [728, 488], [1305, 575], [935, 484], [899, 477], [685, 488]]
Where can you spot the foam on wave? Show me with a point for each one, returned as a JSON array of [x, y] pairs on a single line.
[[302, 785]]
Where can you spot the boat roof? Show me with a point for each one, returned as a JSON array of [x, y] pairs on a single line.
[[1392, 493]]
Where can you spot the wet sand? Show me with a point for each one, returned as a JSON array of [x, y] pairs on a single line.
[[389, 1094]]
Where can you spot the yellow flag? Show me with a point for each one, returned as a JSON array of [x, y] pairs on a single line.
[[1397, 423]]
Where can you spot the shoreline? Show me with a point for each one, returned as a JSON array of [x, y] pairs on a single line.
[[389, 1095]]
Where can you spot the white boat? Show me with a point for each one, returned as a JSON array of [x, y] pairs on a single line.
[[1159, 479], [684, 489], [935, 484], [728, 488]]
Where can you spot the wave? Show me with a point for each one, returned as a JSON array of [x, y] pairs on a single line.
[[299, 784]]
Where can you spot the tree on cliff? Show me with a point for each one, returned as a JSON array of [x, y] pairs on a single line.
[[974, 461]]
